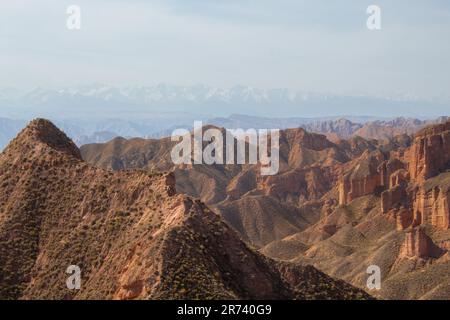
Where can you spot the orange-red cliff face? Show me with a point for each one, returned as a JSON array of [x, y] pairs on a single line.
[[418, 245], [363, 178], [408, 191], [431, 207], [430, 152], [411, 184]]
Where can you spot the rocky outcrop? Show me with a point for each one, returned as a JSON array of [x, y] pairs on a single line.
[[298, 185], [430, 152], [396, 195], [387, 169], [363, 179], [408, 195], [418, 244], [431, 207], [41, 135], [350, 189], [392, 198], [404, 218], [420, 205], [400, 177], [299, 137], [373, 174]]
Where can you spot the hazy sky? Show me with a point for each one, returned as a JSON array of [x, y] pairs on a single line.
[[317, 45]]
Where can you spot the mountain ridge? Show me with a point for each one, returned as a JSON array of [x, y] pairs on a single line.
[[340, 205], [99, 131], [130, 233]]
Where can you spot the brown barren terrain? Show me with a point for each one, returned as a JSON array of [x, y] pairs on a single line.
[[132, 235], [341, 206]]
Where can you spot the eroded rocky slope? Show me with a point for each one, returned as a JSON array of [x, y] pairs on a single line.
[[342, 206], [130, 233]]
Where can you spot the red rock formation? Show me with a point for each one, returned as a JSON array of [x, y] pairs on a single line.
[[431, 207], [399, 177], [387, 168], [303, 184], [300, 137], [430, 152], [396, 195], [403, 219], [393, 197], [362, 180], [407, 199], [354, 188], [418, 245], [428, 156], [421, 206]]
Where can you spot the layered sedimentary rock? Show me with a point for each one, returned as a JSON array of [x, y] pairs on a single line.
[[386, 170], [404, 179], [399, 177], [431, 207], [394, 197], [370, 174], [404, 218], [430, 152], [300, 184], [418, 245], [362, 180]]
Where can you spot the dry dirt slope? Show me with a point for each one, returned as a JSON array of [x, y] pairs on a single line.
[[362, 237], [128, 231]]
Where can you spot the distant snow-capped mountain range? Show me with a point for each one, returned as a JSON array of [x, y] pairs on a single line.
[[140, 102], [167, 93], [97, 113]]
